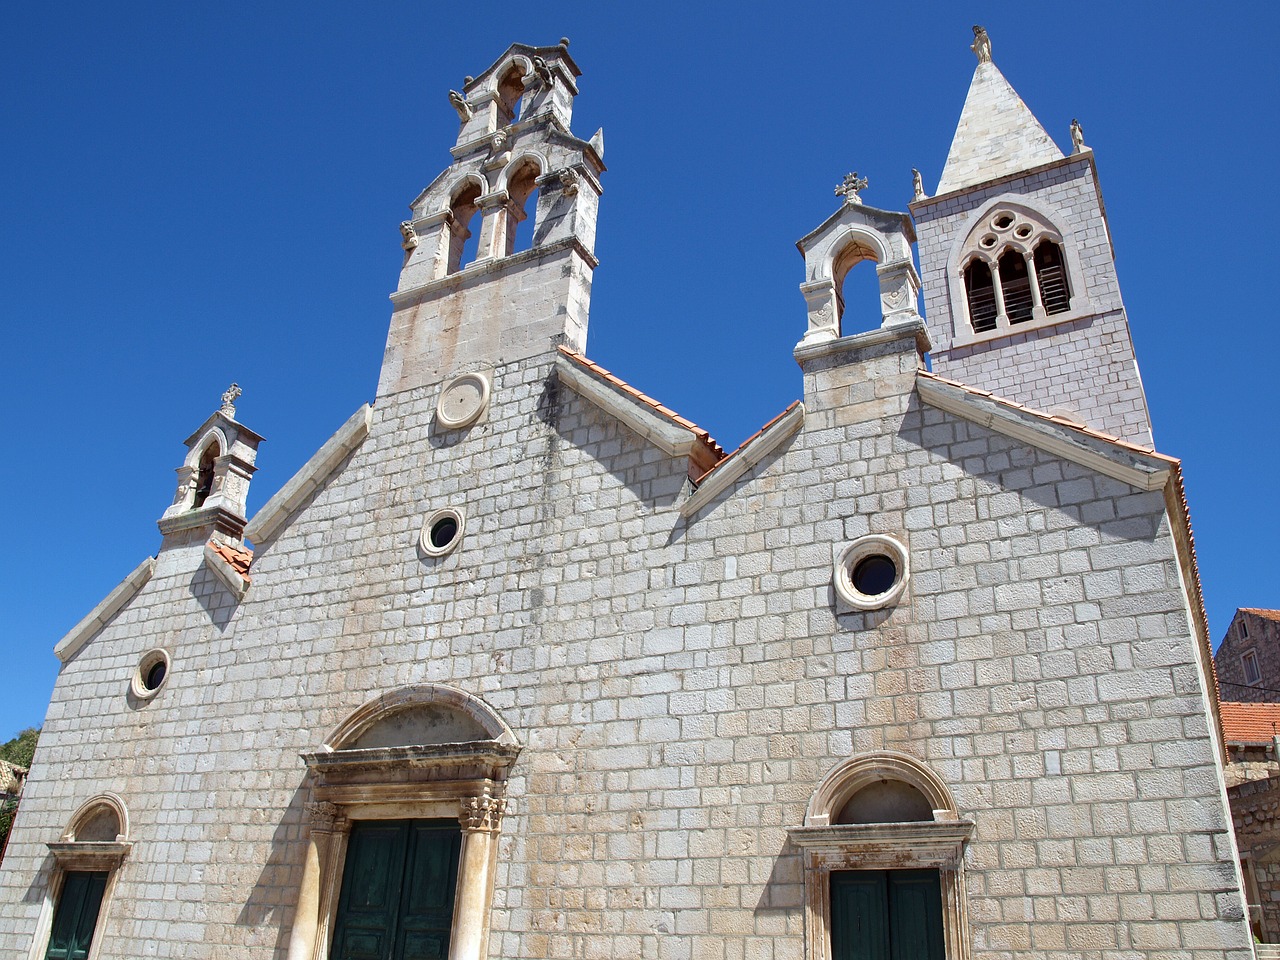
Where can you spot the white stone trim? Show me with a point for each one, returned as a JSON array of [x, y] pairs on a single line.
[[848, 557], [671, 438], [111, 604], [1141, 470], [313, 473], [225, 572], [730, 470], [138, 684], [424, 538]]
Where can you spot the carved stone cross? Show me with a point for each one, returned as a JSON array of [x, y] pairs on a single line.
[[229, 400], [851, 186]]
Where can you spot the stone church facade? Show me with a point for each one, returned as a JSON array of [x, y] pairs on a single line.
[[523, 665]]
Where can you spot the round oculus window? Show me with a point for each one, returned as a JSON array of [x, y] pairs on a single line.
[[871, 572], [441, 532], [1002, 221], [462, 400], [153, 670]]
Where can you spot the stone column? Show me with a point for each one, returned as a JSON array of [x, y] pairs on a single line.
[[1037, 309], [481, 818], [321, 820], [1002, 318], [497, 227]]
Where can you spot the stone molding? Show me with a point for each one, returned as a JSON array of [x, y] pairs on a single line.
[[313, 473], [729, 470], [99, 616], [226, 574]]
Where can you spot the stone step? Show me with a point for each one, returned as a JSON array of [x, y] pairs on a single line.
[[1267, 951]]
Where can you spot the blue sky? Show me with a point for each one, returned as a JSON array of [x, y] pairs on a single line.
[[201, 193]]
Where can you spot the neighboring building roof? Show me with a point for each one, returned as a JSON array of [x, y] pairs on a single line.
[[11, 777], [997, 135], [1250, 722], [1264, 614]]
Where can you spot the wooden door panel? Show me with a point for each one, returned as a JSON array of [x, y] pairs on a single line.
[[859, 915], [915, 915], [76, 916]]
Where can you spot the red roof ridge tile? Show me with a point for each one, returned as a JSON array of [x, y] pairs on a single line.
[[705, 438], [238, 558], [743, 445], [1250, 722]]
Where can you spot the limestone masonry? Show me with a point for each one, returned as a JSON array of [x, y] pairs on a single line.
[[523, 665]]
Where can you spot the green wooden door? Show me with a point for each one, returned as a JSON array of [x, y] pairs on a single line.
[[886, 915], [397, 890], [76, 916]]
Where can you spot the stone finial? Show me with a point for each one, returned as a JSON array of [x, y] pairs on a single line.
[[459, 103], [1077, 136], [917, 185], [851, 186], [564, 41], [981, 44], [409, 235], [229, 400]]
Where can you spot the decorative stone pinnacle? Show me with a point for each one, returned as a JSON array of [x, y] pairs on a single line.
[[917, 185], [229, 400], [851, 186], [981, 44], [564, 41], [1077, 136]]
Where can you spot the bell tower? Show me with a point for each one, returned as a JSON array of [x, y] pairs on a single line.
[[1018, 267], [528, 285]]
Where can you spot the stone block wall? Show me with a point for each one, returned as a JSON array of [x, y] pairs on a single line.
[[680, 687], [1255, 810]]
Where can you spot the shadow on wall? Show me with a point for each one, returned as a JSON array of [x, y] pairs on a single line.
[[281, 876]]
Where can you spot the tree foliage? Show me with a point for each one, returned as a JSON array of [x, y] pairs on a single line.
[[19, 752], [21, 748]]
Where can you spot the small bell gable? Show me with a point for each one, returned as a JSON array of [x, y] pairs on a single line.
[[213, 481]]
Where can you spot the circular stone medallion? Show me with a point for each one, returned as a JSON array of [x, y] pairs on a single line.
[[462, 401]]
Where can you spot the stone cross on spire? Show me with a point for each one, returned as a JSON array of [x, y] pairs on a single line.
[[851, 186], [229, 400], [981, 44]]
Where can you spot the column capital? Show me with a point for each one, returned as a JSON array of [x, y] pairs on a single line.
[[323, 816], [482, 814]]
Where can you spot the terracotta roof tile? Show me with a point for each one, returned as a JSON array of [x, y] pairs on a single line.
[[1250, 722], [1264, 614], [239, 558], [743, 445], [704, 438]]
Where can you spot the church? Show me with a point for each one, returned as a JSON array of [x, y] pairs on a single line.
[[522, 664]]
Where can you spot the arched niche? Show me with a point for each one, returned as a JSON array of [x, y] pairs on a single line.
[[890, 777], [426, 715], [97, 835]]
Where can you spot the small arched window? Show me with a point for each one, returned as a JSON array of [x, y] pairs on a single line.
[[462, 244], [1055, 294], [854, 271], [204, 475], [981, 295]]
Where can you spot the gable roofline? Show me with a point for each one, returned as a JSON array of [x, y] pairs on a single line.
[[1260, 612], [107, 608], [750, 452], [664, 428], [314, 472], [230, 565], [1129, 463]]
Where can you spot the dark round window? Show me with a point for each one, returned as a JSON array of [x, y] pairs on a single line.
[[874, 575], [1003, 222], [155, 676], [443, 532]]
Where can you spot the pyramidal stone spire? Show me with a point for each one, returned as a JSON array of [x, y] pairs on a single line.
[[997, 134]]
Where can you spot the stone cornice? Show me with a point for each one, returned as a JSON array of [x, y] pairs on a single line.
[[313, 473], [111, 604]]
